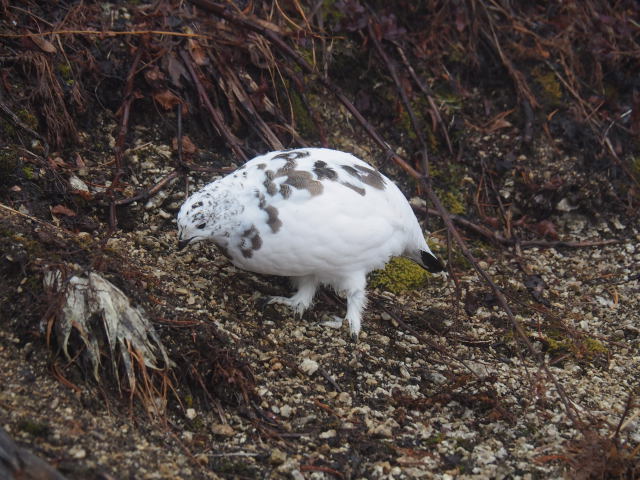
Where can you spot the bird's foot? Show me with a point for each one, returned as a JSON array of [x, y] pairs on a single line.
[[297, 306], [335, 323]]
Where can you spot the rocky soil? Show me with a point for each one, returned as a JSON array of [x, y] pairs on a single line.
[[437, 386]]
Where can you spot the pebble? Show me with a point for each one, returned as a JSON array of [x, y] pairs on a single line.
[[84, 236], [77, 452], [277, 457], [344, 397], [223, 429], [297, 475], [76, 184], [384, 429], [309, 366]]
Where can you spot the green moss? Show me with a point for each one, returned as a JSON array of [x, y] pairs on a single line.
[[453, 200], [551, 88], [434, 439], [65, 71], [406, 126], [33, 247], [586, 348], [594, 347], [28, 172], [301, 116], [34, 428], [8, 164], [28, 118], [400, 275], [450, 180], [557, 345], [635, 165]]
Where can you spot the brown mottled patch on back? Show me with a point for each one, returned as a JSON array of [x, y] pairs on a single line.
[[250, 241], [366, 175], [292, 154], [290, 158], [371, 177], [273, 221], [271, 187], [256, 241], [304, 181], [323, 171], [351, 171], [285, 190], [358, 190], [261, 166]]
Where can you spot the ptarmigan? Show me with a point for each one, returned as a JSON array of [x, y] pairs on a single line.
[[316, 215]]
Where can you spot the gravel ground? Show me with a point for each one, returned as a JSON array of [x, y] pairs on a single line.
[[435, 388]]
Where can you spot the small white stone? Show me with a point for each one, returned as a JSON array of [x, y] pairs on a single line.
[[564, 206], [296, 475], [384, 429], [277, 457], [222, 429], [77, 452], [163, 214], [309, 366], [328, 434], [76, 184], [191, 413], [344, 397]]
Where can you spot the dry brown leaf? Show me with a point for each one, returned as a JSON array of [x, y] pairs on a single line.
[[79, 161], [187, 145], [545, 227], [167, 99], [176, 70], [43, 44], [84, 194], [62, 210], [197, 52]]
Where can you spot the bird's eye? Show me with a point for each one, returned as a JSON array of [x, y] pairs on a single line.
[[201, 226]]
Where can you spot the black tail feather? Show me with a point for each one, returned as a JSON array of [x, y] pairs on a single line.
[[431, 262]]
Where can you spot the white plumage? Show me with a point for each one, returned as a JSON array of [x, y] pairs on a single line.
[[316, 215]]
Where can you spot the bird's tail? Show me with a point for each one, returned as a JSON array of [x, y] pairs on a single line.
[[430, 262]]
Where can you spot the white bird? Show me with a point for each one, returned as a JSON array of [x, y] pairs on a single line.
[[316, 215]]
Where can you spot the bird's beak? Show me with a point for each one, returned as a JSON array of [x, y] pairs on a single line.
[[183, 243]]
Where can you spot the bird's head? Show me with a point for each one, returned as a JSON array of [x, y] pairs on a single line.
[[194, 222]]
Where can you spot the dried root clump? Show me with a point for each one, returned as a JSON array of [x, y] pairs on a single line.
[[106, 324]]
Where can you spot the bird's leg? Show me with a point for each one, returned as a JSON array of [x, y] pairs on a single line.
[[303, 297], [356, 302]]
